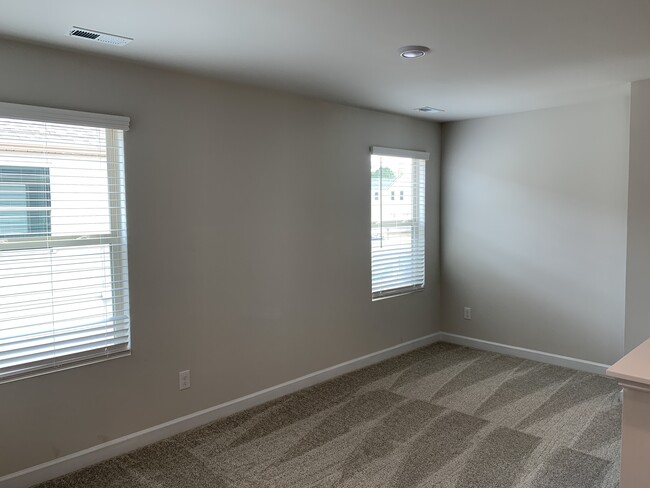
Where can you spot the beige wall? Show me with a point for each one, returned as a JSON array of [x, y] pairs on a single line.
[[637, 320], [248, 246], [534, 228]]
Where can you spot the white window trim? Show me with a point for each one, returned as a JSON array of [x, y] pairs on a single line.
[[118, 227], [399, 153], [61, 116], [414, 155]]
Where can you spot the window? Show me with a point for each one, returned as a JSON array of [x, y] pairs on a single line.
[[63, 259], [24, 201], [397, 227]]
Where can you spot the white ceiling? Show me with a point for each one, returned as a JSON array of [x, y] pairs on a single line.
[[488, 56]]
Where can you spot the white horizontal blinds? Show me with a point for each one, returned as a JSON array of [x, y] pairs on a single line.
[[63, 256], [397, 221]]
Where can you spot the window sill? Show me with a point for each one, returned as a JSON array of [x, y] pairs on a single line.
[[63, 367]]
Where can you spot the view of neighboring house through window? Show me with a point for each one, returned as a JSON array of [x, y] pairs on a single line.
[[24, 201], [397, 226], [63, 261]]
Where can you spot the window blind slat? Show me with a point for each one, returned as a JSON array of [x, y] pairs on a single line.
[[396, 283], [395, 260], [107, 322], [70, 297], [61, 348], [38, 345], [123, 283], [73, 309], [39, 267], [86, 356], [61, 352], [396, 291]]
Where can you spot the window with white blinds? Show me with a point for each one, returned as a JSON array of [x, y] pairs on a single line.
[[64, 297], [397, 187]]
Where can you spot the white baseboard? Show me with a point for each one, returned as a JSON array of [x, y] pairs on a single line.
[[520, 352], [72, 462]]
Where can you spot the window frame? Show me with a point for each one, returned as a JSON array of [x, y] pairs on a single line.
[[116, 238], [418, 175]]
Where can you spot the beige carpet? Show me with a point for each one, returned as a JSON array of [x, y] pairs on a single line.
[[442, 416]]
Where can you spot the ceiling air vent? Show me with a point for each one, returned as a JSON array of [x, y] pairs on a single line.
[[97, 36], [428, 109]]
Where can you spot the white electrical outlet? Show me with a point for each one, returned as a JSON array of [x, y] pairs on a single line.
[[467, 313], [184, 380]]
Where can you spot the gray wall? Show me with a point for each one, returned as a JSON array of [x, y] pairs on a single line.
[[248, 246], [637, 323], [534, 228]]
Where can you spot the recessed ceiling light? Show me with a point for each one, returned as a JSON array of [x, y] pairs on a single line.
[[428, 109], [412, 52]]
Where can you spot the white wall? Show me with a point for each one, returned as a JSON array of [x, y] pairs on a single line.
[[249, 247], [534, 228], [637, 320]]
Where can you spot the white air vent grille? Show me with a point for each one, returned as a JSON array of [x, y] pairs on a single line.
[[97, 36], [428, 109]]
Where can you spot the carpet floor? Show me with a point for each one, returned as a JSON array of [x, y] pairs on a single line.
[[442, 416]]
